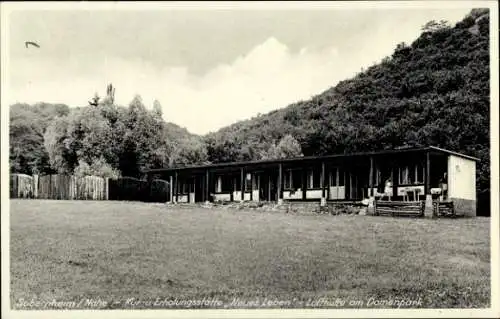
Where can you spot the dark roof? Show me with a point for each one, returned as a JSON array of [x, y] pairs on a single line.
[[308, 158]]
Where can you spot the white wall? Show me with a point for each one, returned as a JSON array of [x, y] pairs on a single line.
[[237, 196], [225, 197], [337, 192], [255, 195], [375, 192], [461, 178], [315, 193], [401, 190], [296, 195], [183, 199]]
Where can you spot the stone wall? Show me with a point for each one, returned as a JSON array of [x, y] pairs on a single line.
[[464, 207]]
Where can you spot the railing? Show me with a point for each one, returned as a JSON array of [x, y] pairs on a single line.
[[443, 209], [399, 209]]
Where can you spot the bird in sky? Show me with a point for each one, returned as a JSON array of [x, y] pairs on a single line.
[[28, 43]]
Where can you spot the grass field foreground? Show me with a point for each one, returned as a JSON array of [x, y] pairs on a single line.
[[69, 250]]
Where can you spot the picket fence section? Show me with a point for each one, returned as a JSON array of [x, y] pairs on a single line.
[[69, 187]]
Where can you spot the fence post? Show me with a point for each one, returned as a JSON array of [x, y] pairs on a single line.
[[106, 188], [35, 186]]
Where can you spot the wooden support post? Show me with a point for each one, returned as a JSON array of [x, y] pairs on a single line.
[[251, 186], [207, 186], [328, 183], [322, 180], [188, 188], [428, 174], [322, 184], [269, 187], [304, 182], [233, 182], [394, 185], [428, 210], [258, 187], [171, 189], [370, 181], [176, 187], [280, 183], [347, 182], [242, 176]]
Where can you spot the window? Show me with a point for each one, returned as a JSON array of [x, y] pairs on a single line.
[[404, 175], [337, 177], [248, 182], [341, 173], [184, 189], [411, 174], [333, 177], [225, 184], [313, 179], [218, 184], [420, 174], [292, 179], [296, 179], [288, 178], [378, 176], [237, 183]]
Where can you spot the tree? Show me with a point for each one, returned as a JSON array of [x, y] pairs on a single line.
[[288, 147], [95, 100], [189, 151], [433, 26], [27, 126], [99, 167], [110, 95], [157, 109]]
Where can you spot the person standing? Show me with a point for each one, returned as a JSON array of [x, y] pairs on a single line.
[[443, 184]]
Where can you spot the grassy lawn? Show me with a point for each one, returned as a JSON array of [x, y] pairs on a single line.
[[115, 251]]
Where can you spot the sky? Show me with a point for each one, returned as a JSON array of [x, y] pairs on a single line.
[[207, 67]]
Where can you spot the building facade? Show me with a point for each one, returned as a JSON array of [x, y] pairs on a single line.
[[399, 175]]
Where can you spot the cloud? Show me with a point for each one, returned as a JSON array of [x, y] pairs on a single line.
[[266, 78], [307, 54]]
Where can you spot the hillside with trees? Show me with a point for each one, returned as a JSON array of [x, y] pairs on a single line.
[[435, 91]]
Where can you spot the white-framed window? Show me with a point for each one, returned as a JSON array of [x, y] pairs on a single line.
[[411, 174], [218, 185], [378, 176], [223, 183], [337, 177], [292, 179], [419, 173], [184, 189], [248, 182], [313, 178], [288, 179]]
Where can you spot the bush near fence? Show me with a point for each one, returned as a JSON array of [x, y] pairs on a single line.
[[70, 187], [159, 191], [127, 188]]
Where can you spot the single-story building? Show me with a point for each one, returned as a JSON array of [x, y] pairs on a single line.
[[401, 174]]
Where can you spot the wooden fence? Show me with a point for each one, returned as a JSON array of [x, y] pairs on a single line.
[[69, 187], [393, 208], [444, 209], [21, 186]]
